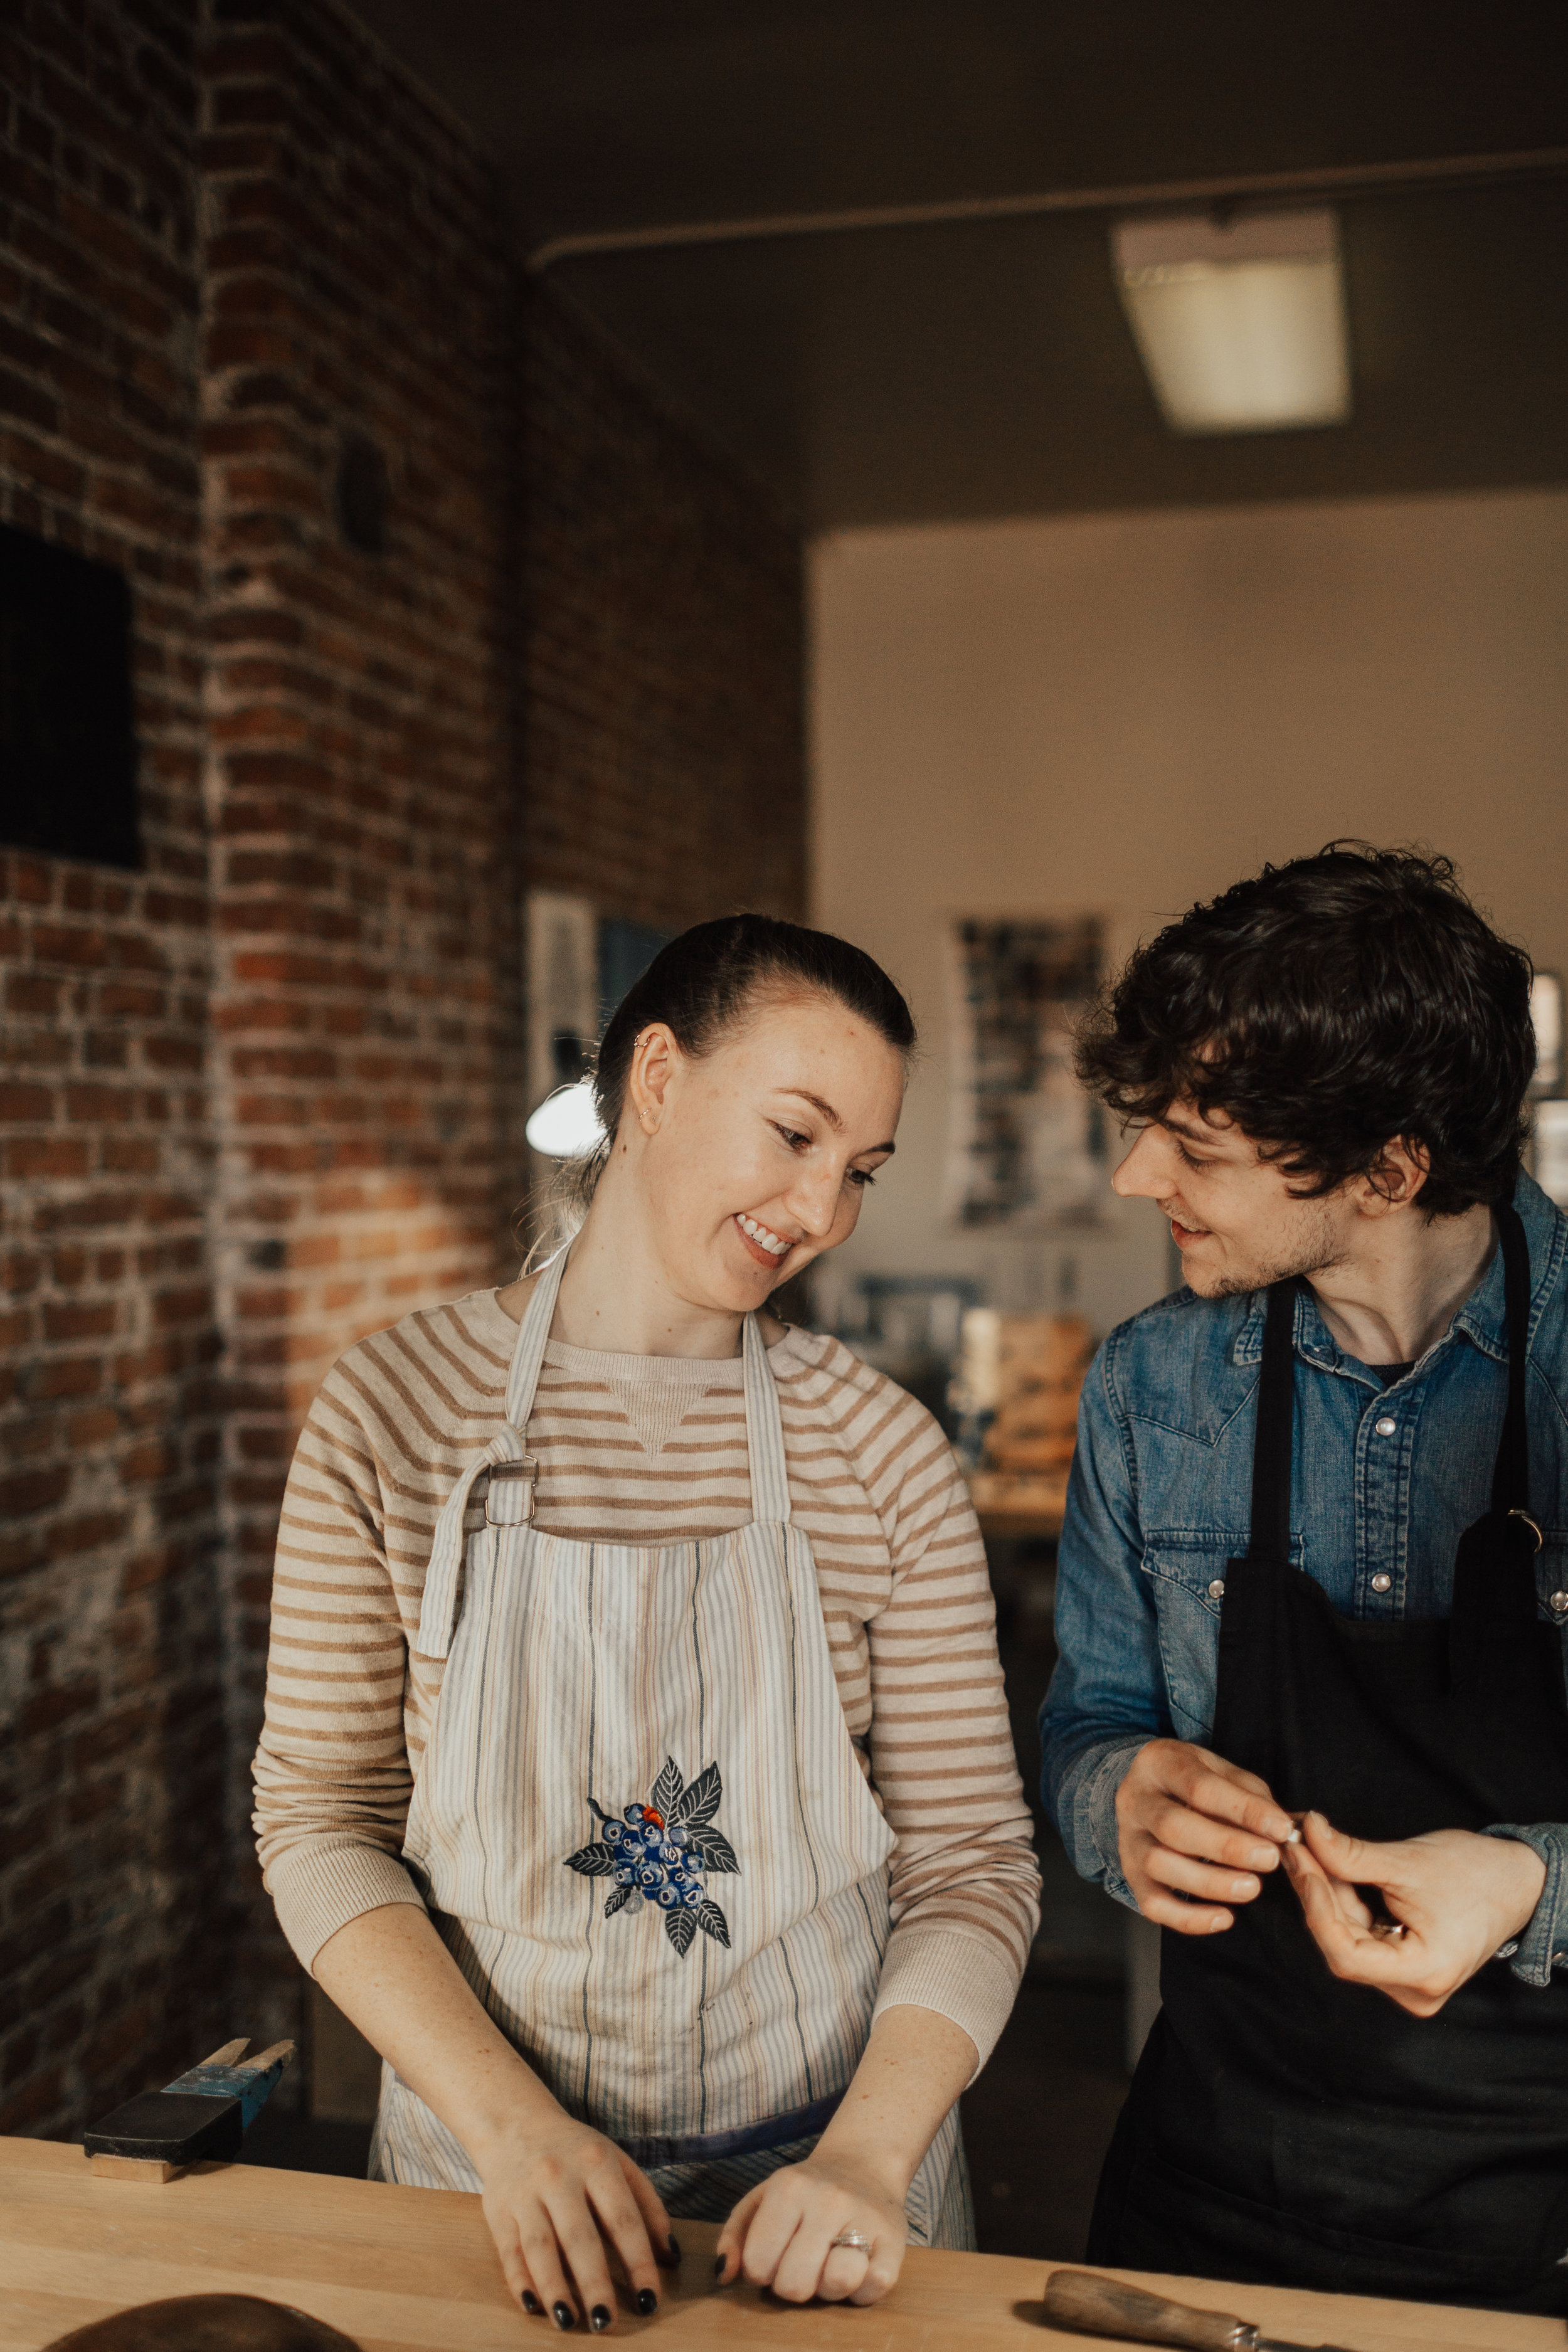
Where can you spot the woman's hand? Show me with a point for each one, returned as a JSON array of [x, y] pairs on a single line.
[[1454, 1898], [858, 2175], [558, 2196], [782, 2234]]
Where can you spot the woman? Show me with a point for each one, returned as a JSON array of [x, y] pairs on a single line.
[[637, 1773]]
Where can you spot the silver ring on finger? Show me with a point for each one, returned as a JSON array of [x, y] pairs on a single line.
[[855, 2239]]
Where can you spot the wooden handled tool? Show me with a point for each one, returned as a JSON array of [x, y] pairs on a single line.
[[203, 2113], [1084, 2304]]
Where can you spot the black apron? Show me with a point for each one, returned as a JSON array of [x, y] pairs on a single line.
[[1285, 2129]]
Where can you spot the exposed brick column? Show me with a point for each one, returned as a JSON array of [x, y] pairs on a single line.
[[266, 1094], [365, 989], [112, 1949]]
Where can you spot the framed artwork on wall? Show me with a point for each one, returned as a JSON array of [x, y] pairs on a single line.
[[1026, 1146]]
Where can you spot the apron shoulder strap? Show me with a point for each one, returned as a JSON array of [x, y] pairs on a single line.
[[528, 1356], [1510, 1472], [1270, 1537], [765, 1428], [437, 1609]]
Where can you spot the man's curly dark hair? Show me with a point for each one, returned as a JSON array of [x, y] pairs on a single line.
[[1329, 1006]]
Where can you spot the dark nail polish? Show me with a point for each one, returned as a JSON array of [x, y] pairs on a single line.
[[531, 2303], [599, 2317], [674, 2247], [721, 2266], [564, 2315], [648, 2301]]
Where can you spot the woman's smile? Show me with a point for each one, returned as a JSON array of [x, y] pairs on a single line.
[[765, 1245]]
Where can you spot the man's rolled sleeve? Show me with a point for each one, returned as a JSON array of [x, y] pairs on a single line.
[[1544, 1941], [1107, 1695]]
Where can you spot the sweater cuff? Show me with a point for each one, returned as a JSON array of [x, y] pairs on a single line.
[[319, 1888], [962, 1977]]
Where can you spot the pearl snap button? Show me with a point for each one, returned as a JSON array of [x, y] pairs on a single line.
[[1558, 1604], [1385, 1425], [1383, 1583], [1216, 1591]]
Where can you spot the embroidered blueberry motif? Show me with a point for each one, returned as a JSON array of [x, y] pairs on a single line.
[[662, 1850]]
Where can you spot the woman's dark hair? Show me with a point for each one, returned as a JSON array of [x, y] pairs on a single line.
[[710, 978], [1328, 1006]]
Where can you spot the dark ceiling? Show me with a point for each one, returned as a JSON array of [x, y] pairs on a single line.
[[919, 373]]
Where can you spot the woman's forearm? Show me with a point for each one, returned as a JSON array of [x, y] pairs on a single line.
[[393, 1977], [910, 2072]]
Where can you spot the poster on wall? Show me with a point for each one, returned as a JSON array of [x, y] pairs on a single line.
[[1027, 1147]]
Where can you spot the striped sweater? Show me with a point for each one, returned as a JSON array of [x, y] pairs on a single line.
[[645, 1450]]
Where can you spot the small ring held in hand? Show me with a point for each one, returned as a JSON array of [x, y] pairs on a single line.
[[854, 2239]]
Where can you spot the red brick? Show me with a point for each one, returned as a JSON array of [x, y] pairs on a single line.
[[67, 1376], [33, 1104], [54, 1158]]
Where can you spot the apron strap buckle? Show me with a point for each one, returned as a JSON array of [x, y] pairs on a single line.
[[508, 1502]]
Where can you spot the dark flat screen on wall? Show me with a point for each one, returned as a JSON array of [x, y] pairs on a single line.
[[68, 752]]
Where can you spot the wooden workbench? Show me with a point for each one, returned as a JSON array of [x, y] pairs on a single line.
[[395, 2268]]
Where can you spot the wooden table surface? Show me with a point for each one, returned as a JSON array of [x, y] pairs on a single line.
[[414, 2267]]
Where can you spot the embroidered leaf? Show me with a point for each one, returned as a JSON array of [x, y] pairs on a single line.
[[711, 1921], [667, 1788], [680, 1927], [615, 1902], [712, 1849], [699, 1802], [594, 1860]]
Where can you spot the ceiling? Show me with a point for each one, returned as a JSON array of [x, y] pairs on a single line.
[[983, 368]]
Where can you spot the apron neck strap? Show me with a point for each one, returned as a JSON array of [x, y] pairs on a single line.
[[1270, 1537], [765, 1427], [765, 1421], [528, 1355], [1510, 1474]]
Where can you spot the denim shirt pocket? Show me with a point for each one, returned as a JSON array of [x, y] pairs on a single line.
[[1186, 1569]]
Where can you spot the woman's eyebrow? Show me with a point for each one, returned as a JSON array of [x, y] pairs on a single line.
[[802, 1094], [828, 1113]]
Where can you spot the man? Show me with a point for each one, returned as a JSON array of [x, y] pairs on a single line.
[[1309, 1711]]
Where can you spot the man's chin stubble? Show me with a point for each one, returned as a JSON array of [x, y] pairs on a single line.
[[1300, 1268]]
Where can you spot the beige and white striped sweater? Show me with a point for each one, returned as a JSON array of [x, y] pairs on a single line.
[[644, 1450]]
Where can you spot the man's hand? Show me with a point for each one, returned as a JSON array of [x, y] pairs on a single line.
[[1454, 1898], [1191, 1824]]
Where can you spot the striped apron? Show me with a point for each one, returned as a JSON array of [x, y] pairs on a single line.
[[642, 1831]]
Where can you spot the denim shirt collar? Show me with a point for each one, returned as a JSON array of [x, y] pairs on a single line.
[[1481, 1318]]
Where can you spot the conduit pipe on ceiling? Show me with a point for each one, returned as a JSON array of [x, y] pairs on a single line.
[[1223, 189]]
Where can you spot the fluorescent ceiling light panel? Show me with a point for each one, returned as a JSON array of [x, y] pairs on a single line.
[[1242, 329]]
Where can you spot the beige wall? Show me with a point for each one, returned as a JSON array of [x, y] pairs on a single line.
[[1126, 712]]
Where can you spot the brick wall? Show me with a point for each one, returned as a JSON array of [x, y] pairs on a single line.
[[265, 1094], [111, 1928], [365, 989]]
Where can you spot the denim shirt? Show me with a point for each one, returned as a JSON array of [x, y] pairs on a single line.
[[1161, 1498]]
